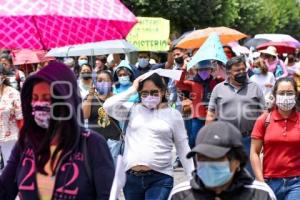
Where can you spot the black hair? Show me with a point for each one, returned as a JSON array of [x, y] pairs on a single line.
[[6, 80], [101, 58], [146, 52], [238, 153], [130, 73], [181, 49], [285, 79], [122, 56], [107, 72], [40, 139], [6, 57], [158, 82], [88, 65], [233, 61], [230, 49]]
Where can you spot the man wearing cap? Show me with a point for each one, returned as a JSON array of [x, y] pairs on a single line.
[[220, 175], [275, 65], [237, 100]]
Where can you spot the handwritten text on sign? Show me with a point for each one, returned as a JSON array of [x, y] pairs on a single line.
[[150, 34]]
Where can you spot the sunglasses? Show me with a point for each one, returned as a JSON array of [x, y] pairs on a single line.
[[146, 93]]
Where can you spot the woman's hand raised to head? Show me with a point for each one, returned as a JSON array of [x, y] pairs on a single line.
[[136, 82]]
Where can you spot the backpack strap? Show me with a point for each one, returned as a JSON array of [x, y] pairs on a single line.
[[268, 119], [124, 128]]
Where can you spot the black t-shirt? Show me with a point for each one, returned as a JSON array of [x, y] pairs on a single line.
[[100, 122]]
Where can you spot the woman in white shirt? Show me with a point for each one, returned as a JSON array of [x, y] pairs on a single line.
[[152, 130], [262, 77], [11, 117]]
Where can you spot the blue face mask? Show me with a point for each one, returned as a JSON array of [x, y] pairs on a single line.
[[256, 70], [143, 62], [103, 88], [214, 174], [124, 80], [82, 62]]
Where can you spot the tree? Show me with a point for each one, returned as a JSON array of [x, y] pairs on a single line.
[[186, 15], [250, 17]]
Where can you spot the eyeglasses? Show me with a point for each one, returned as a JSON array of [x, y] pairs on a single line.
[[146, 93]]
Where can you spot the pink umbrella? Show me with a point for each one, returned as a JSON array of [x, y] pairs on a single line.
[[282, 47], [28, 56], [45, 24]]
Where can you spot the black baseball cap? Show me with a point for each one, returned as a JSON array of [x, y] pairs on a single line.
[[216, 139]]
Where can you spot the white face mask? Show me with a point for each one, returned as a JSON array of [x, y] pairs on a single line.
[[41, 111], [285, 102]]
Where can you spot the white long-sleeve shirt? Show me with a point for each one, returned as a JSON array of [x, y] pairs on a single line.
[[150, 134]]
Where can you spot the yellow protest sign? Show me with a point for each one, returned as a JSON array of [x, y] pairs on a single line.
[[150, 34]]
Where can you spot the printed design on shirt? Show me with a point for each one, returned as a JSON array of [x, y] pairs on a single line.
[[10, 112], [26, 182], [103, 118], [68, 189]]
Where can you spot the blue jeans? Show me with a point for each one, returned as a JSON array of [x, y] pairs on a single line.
[[247, 144], [285, 188], [150, 185], [192, 127]]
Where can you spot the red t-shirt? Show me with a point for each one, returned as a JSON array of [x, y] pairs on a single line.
[[281, 144]]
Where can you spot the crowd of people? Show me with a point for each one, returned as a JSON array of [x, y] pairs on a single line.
[[235, 126]]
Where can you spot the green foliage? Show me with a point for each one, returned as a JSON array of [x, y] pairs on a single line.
[[250, 17]]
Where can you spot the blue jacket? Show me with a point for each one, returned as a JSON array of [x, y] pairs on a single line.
[[86, 171]]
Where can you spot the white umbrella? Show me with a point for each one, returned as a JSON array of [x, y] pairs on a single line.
[[277, 37], [92, 49]]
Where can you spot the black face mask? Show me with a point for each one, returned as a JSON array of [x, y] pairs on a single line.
[[179, 60], [7, 71], [291, 60], [241, 78], [86, 75]]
